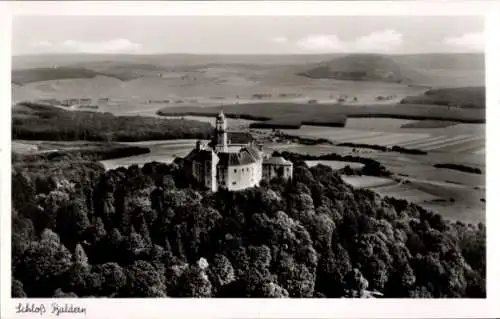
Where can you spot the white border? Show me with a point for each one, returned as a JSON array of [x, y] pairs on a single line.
[[252, 308]]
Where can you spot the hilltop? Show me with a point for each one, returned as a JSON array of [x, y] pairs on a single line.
[[424, 69], [362, 67]]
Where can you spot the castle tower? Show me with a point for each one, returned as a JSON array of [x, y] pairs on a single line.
[[220, 133]]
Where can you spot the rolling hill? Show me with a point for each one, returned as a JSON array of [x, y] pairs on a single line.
[[421, 69], [25, 76], [362, 67], [212, 79]]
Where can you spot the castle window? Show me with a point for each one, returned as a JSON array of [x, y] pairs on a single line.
[[242, 169], [235, 170], [234, 183]]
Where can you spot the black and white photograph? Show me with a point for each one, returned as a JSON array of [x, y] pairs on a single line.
[[197, 156]]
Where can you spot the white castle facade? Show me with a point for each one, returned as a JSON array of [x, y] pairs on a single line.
[[234, 161]]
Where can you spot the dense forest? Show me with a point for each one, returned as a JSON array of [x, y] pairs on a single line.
[[32, 121], [152, 232]]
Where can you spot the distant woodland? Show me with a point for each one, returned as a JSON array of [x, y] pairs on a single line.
[[79, 231], [31, 121], [464, 97]]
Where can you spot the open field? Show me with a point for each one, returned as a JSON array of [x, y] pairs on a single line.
[[161, 151], [205, 89], [367, 181], [460, 139]]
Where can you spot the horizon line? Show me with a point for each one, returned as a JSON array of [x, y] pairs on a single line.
[[241, 54]]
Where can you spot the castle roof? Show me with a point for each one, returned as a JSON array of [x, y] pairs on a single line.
[[239, 138], [246, 155], [276, 160], [199, 155]]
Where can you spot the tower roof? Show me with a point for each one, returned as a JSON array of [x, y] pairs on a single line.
[[221, 115]]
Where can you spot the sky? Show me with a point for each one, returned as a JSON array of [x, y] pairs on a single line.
[[246, 35]]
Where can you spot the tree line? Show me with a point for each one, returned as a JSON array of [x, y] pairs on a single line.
[[31, 121]]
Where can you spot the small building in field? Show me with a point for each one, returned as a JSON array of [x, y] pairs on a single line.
[[233, 161]]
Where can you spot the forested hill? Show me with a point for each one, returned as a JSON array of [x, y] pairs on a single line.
[[151, 233]]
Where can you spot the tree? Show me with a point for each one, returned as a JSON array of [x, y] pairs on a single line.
[[113, 278], [333, 266], [355, 284], [80, 256], [61, 294], [297, 279], [220, 272], [43, 264], [17, 290], [135, 245], [143, 280], [72, 220], [23, 232], [194, 282]]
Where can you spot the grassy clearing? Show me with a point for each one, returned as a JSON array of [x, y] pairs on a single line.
[[366, 181]]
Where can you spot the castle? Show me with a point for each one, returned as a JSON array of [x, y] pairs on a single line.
[[233, 161]]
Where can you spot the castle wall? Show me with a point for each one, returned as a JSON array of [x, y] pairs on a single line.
[[209, 174], [241, 176], [270, 171]]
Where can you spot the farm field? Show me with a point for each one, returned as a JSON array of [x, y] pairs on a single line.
[[161, 151], [367, 181], [207, 86], [441, 140]]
